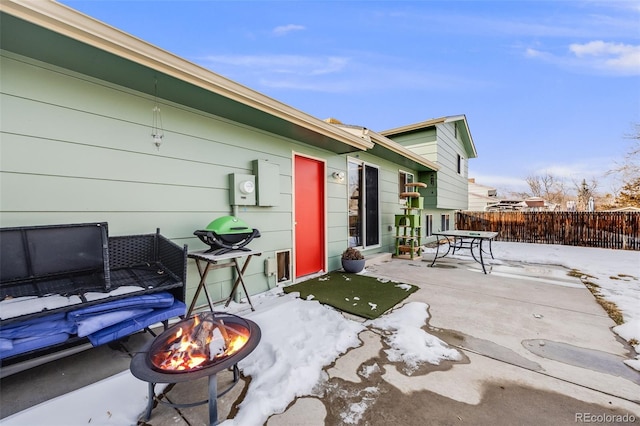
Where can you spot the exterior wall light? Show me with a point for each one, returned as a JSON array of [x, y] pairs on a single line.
[[339, 176]]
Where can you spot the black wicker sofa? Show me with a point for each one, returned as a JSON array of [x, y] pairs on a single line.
[[68, 287]]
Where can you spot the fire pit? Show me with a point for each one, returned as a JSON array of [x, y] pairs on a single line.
[[196, 347]]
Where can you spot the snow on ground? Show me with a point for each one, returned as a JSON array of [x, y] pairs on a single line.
[[316, 335], [616, 272], [408, 342]]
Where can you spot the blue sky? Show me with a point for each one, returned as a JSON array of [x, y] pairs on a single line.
[[546, 86]]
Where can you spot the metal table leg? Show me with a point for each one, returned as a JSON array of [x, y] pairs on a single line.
[[201, 286], [481, 258], [240, 280], [438, 249]]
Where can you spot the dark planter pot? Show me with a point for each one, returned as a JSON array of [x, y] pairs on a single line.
[[353, 265]]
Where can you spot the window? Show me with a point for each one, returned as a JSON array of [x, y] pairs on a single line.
[[364, 205], [428, 223], [444, 222], [403, 179], [459, 164]]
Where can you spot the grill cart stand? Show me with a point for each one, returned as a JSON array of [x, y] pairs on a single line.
[[209, 261]]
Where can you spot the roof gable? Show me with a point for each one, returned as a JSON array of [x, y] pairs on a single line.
[[460, 121]]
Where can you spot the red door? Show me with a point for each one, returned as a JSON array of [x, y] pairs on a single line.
[[309, 216]]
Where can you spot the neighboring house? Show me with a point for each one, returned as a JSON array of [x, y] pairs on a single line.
[[480, 196], [506, 205], [531, 204], [447, 142], [81, 99]]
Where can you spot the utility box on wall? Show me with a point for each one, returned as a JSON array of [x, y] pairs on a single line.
[[267, 182], [242, 189]]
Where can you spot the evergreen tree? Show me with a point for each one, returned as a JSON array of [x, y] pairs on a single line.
[[629, 195], [584, 193]]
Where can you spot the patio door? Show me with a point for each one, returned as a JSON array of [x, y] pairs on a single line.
[[309, 215]]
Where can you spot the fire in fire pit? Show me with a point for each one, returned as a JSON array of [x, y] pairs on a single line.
[[201, 341]]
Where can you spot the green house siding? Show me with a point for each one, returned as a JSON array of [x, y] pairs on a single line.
[[423, 137], [74, 149], [77, 149], [452, 186], [440, 145]]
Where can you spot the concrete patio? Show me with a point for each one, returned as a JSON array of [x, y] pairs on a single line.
[[537, 349]]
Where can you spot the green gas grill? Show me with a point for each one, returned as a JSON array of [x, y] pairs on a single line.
[[226, 234]]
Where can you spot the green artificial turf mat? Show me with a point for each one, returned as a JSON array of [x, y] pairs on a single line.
[[357, 294]]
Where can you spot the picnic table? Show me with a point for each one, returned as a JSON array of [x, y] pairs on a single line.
[[465, 239]]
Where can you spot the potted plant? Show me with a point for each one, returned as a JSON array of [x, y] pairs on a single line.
[[352, 260]]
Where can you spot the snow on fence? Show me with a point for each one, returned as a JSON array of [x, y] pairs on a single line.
[[615, 230]]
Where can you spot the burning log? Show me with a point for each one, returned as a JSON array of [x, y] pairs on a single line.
[[203, 340], [202, 334]]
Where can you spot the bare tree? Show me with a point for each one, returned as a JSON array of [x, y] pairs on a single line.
[[547, 186], [628, 170]]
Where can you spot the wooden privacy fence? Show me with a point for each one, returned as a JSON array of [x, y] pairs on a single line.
[[615, 230]]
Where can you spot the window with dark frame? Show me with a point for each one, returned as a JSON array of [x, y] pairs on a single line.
[[444, 222], [428, 222]]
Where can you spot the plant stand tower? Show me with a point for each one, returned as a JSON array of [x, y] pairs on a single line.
[[409, 224]]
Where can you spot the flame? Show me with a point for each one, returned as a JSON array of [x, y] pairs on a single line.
[[184, 349], [237, 343]]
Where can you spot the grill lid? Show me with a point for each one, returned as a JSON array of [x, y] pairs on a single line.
[[227, 225]]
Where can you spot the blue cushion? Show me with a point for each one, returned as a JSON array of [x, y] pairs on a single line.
[[43, 326], [156, 300], [32, 343], [5, 344], [91, 324], [133, 325]]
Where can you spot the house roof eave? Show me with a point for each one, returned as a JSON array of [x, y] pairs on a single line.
[[390, 150], [81, 28]]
